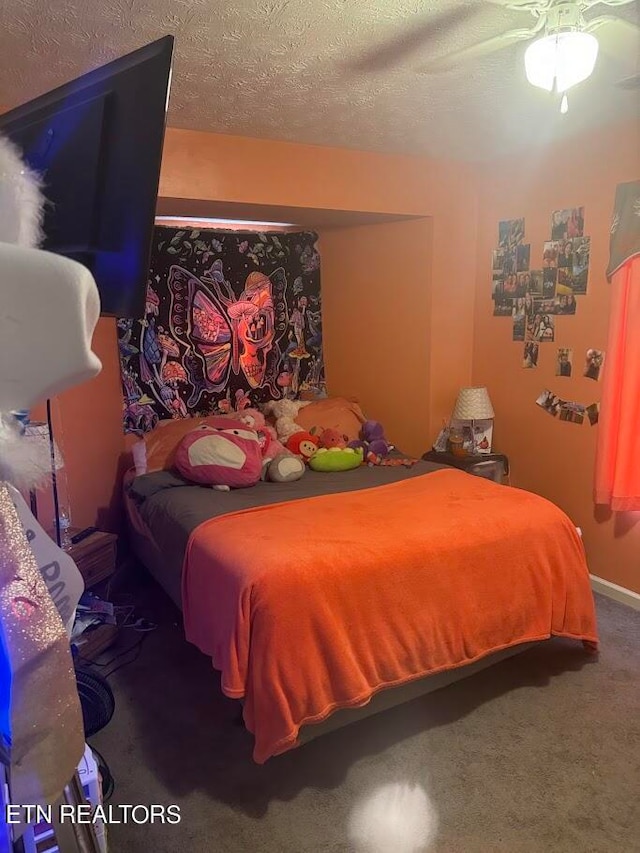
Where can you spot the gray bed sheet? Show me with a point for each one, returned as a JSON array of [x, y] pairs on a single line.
[[172, 508]]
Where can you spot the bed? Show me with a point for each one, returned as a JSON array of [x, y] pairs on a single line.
[[330, 598]]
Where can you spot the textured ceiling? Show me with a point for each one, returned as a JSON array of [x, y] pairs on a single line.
[[329, 72]]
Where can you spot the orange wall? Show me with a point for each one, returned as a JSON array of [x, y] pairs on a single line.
[[376, 296], [436, 269], [240, 170], [87, 424], [93, 421], [549, 457], [230, 169], [199, 165]]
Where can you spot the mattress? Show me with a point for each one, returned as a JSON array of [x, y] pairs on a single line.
[[374, 578], [164, 509]]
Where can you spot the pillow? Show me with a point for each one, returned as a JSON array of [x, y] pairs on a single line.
[[339, 413], [223, 453], [156, 450]]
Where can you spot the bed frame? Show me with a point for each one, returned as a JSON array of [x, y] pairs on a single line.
[[394, 696], [151, 557]]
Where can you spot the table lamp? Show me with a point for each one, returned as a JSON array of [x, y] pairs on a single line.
[[473, 404]]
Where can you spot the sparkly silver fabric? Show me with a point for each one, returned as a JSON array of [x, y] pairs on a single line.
[[46, 737]]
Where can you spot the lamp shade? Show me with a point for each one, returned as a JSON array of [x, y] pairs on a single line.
[[473, 404], [561, 59]]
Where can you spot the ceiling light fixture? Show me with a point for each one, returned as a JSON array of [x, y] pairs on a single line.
[[561, 60], [565, 55]]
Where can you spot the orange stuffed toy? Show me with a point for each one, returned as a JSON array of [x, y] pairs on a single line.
[[302, 444]]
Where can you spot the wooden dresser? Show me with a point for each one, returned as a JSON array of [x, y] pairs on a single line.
[[95, 558]]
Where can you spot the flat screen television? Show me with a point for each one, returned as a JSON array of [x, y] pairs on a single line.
[[97, 143]]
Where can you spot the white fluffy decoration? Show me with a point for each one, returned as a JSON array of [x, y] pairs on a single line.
[[284, 413], [24, 463], [396, 818], [21, 199]]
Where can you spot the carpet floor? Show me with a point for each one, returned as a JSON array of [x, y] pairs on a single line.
[[537, 754]]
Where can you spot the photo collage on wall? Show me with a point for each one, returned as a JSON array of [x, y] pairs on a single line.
[[522, 294], [533, 298], [565, 259], [568, 410]]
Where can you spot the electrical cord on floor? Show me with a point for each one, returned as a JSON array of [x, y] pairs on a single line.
[[125, 619], [133, 647], [136, 648]]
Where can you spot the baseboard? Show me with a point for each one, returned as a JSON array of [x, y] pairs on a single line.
[[618, 593]]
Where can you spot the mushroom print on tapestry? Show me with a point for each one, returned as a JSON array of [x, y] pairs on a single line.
[[232, 319]]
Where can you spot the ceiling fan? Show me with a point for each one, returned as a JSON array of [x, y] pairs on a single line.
[[563, 50]]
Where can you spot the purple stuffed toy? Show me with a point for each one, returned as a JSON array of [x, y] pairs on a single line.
[[372, 439]]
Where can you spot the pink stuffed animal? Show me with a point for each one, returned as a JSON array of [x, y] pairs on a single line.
[[271, 447], [332, 438], [278, 464], [223, 453]]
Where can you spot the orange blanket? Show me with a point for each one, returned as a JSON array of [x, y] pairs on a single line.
[[313, 605]]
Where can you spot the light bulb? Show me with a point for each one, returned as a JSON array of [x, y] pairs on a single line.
[[560, 60], [564, 104]]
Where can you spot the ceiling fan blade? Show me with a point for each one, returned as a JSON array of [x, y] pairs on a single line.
[[483, 48], [617, 37], [629, 83], [589, 4], [411, 40], [623, 25], [536, 7]]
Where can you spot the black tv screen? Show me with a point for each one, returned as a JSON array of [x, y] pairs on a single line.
[[97, 143]]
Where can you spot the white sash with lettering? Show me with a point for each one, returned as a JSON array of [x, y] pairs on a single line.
[[60, 573]]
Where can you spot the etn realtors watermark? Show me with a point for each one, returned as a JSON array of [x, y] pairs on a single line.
[[86, 813]]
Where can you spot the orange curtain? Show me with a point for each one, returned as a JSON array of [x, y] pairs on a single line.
[[618, 451]]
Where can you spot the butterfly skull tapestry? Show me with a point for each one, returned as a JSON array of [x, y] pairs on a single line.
[[232, 319]]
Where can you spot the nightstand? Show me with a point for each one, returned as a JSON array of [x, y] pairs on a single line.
[[491, 466], [95, 556]]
